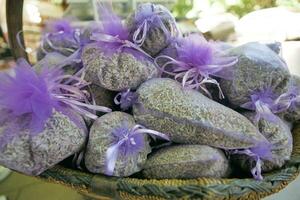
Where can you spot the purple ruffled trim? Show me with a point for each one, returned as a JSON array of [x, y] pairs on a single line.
[[197, 64], [26, 93]]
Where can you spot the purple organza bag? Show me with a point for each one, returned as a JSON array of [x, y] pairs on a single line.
[[188, 117], [58, 37], [195, 63], [258, 69], [113, 61], [59, 40], [151, 27], [117, 146], [187, 162], [41, 118]]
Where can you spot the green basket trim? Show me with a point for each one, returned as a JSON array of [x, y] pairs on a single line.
[[235, 188]]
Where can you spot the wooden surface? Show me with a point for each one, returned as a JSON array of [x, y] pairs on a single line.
[[14, 17]]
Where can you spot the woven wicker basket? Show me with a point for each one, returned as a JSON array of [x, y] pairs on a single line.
[[101, 187]]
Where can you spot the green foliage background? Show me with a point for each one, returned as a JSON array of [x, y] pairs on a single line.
[[240, 8]]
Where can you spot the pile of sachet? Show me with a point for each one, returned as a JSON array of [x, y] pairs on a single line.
[[139, 97]]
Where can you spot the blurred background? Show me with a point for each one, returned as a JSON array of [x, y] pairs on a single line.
[[233, 21]]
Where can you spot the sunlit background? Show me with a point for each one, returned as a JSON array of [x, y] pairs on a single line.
[[234, 21]]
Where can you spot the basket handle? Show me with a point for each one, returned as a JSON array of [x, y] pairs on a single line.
[[14, 20]]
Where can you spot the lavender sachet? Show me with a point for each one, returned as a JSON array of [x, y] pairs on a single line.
[[61, 39], [152, 27], [41, 118], [58, 36], [258, 68], [118, 146], [113, 61], [279, 135], [188, 117], [187, 161]]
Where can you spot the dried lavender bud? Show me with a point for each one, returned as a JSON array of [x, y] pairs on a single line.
[[153, 25], [116, 72], [279, 135], [258, 68], [102, 137], [187, 161], [33, 155], [189, 117]]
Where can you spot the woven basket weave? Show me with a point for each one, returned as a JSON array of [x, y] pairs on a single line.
[[101, 187]]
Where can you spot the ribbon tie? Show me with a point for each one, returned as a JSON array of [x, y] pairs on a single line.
[[192, 76], [102, 37], [130, 141], [125, 99], [289, 100], [140, 34], [266, 104]]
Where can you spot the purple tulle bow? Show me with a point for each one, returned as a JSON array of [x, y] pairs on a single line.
[[24, 93], [266, 104], [129, 142], [125, 99], [261, 151], [198, 63], [114, 36], [147, 18], [59, 25], [29, 99]]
